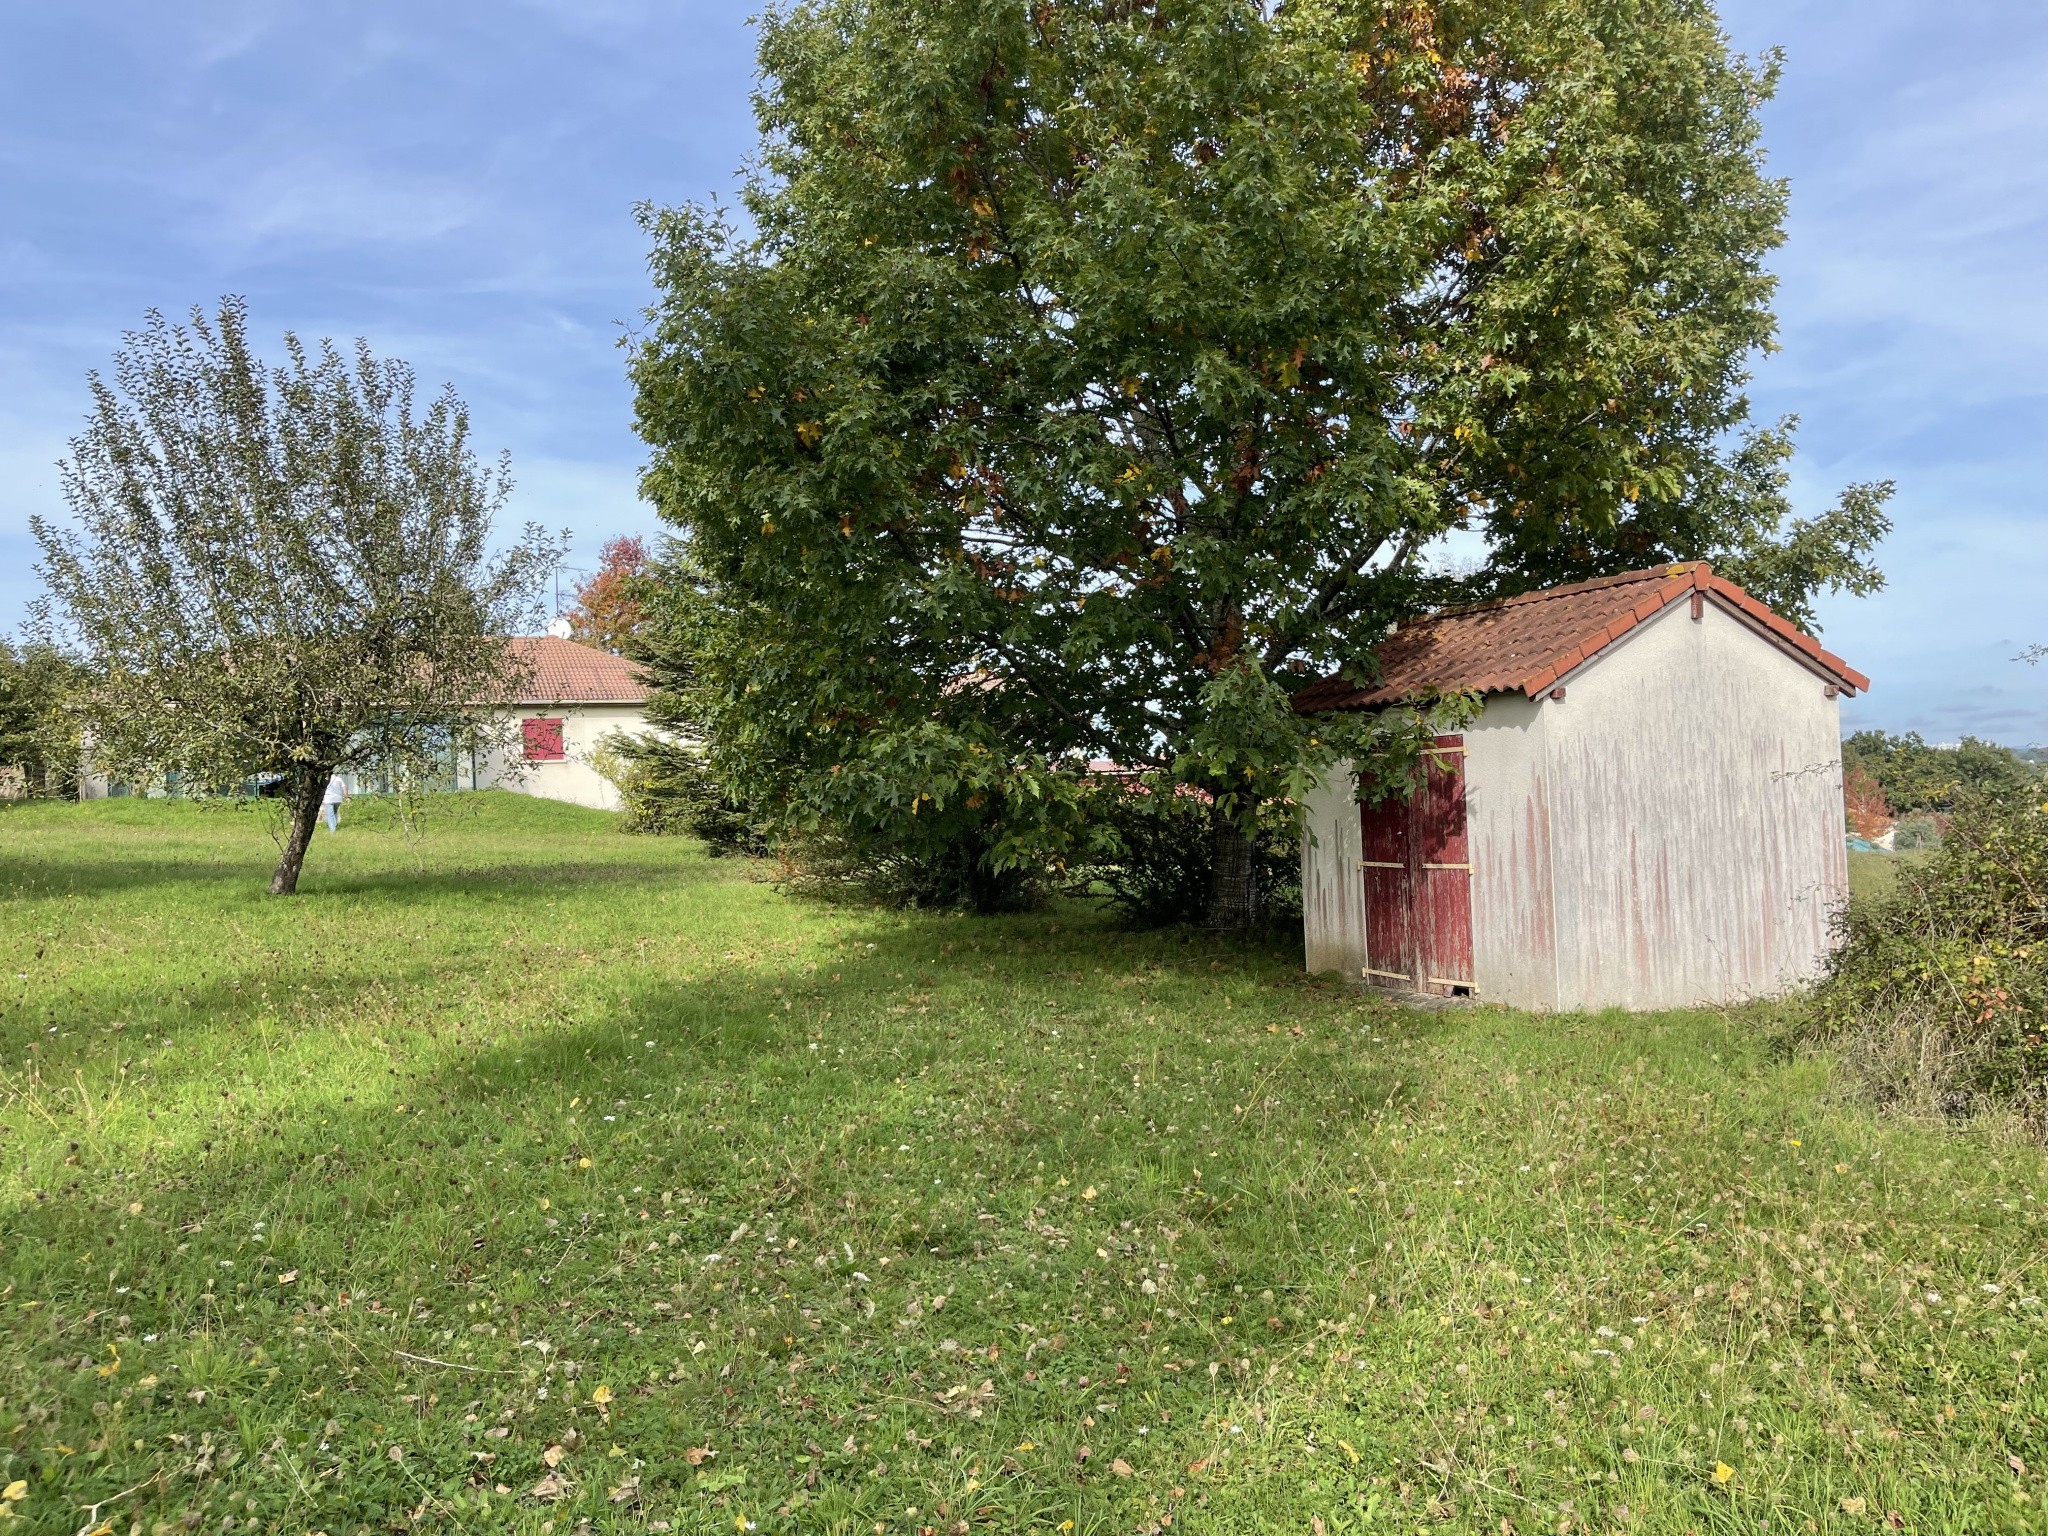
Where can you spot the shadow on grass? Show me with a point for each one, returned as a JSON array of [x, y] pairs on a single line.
[[461, 871], [896, 1013], [945, 1094], [464, 840]]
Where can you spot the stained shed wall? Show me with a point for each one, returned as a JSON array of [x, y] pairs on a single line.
[[1694, 796], [1514, 937], [1668, 833], [1332, 894]]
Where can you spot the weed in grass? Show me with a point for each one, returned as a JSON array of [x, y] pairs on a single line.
[[583, 1179]]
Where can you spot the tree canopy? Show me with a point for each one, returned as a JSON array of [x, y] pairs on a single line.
[[1917, 776], [609, 607], [1087, 376], [279, 572], [38, 731]]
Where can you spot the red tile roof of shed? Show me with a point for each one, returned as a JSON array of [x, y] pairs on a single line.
[[565, 672], [1527, 643]]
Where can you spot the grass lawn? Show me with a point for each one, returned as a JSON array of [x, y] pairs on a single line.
[[538, 1178], [1873, 874]]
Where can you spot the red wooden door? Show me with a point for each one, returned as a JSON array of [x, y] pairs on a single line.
[[1386, 864], [1444, 871], [1417, 871]]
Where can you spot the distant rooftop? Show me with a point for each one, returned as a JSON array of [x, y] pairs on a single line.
[[566, 672]]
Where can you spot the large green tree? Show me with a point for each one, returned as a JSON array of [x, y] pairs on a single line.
[[1088, 373], [280, 572]]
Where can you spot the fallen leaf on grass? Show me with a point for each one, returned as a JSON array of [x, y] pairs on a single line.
[[965, 1399], [1854, 1506], [553, 1486], [553, 1456], [629, 1489], [601, 1396], [1121, 1467], [697, 1455]]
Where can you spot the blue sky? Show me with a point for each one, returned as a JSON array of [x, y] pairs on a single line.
[[456, 182]]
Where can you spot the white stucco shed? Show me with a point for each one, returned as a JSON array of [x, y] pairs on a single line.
[[1646, 814]]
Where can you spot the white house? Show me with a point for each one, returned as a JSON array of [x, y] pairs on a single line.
[[1647, 812], [579, 695]]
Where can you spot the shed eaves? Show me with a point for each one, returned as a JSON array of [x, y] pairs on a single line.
[[564, 672], [1525, 644]]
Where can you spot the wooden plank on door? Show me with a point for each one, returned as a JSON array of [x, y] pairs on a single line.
[[1387, 872], [1444, 873]]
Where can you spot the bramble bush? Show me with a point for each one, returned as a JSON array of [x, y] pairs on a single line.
[[1938, 996]]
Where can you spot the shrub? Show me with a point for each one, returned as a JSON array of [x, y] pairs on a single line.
[[669, 788], [960, 873], [1154, 846], [38, 733], [1938, 996], [1916, 832]]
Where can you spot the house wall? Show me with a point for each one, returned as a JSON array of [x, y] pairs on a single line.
[[1332, 894], [1694, 797], [573, 779]]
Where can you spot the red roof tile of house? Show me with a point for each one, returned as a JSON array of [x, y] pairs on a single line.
[[1527, 643], [565, 672]]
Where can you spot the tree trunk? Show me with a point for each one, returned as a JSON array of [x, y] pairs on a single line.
[[304, 811], [1233, 877]]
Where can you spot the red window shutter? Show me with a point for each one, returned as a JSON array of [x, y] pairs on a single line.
[[543, 740]]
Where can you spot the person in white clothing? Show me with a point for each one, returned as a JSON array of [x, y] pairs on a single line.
[[330, 802]]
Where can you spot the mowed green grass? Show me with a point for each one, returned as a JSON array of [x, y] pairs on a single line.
[[1872, 875], [531, 1177]]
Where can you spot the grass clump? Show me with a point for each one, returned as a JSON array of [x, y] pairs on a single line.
[[1938, 997], [580, 1182]]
